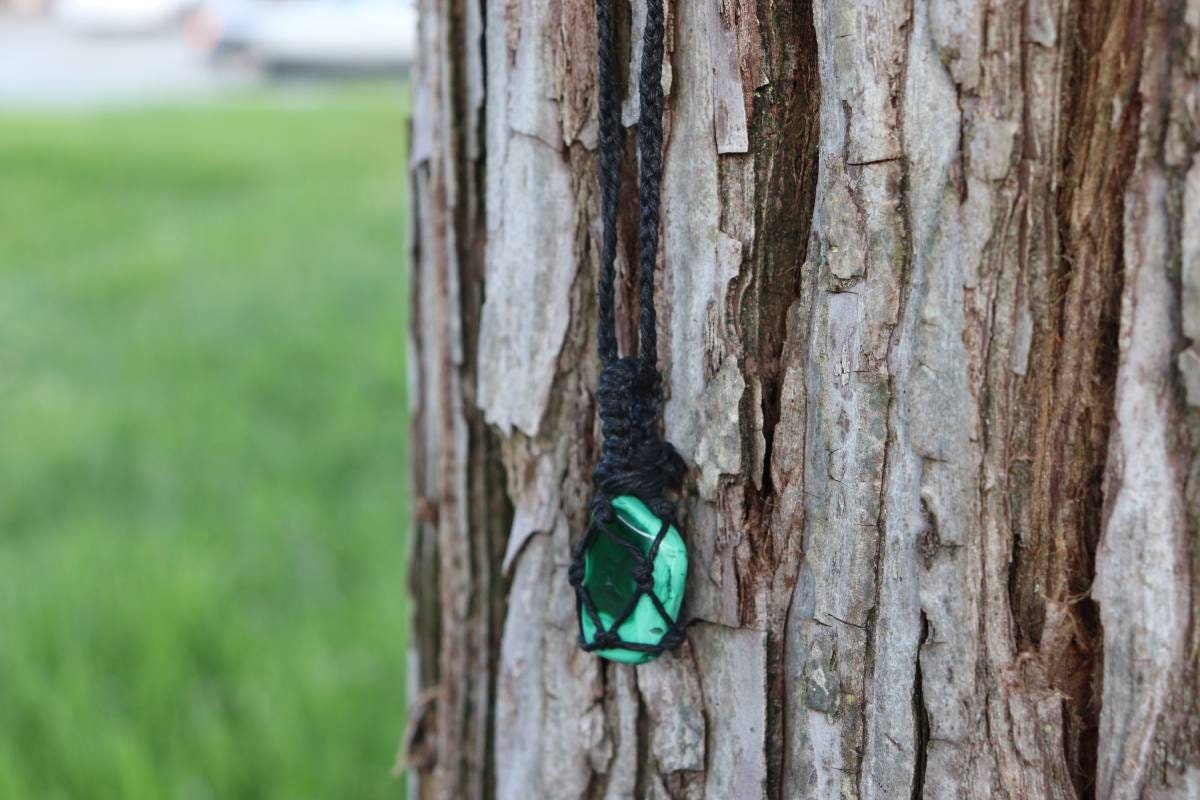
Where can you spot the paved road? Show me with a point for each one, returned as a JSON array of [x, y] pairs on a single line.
[[42, 65]]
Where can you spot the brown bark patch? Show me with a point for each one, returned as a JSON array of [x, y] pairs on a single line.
[[1056, 473]]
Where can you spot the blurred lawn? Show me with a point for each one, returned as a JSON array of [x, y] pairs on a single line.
[[202, 450]]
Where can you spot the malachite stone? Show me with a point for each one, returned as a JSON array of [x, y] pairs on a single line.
[[608, 577]]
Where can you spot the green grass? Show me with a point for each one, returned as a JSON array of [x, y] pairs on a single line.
[[202, 436]]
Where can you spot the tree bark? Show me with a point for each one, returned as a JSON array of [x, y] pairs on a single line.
[[929, 308]]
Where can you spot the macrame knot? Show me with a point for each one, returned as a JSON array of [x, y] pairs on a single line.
[[576, 571], [643, 575], [663, 508], [602, 511], [634, 459], [606, 639], [672, 638]]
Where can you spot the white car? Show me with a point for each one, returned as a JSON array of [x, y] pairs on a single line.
[[310, 34], [119, 17], [328, 33]]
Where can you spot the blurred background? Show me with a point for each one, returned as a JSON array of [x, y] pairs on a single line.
[[202, 411]]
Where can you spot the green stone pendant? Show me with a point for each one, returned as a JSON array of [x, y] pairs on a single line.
[[608, 578]]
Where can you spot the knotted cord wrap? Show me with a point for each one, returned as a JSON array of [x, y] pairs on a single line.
[[634, 459]]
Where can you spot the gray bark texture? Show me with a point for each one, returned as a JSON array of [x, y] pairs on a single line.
[[929, 308]]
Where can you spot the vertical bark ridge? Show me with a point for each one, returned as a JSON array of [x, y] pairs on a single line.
[[1073, 366], [1145, 582], [457, 478], [783, 126]]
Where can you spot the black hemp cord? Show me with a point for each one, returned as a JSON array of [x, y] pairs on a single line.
[[634, 459]]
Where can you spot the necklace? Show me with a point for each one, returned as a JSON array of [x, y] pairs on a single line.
[[629, 569]]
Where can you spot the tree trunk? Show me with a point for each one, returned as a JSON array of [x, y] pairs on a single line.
[[928, 286]]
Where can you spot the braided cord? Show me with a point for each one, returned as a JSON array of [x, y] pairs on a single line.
[[608, 117], [650, 143]]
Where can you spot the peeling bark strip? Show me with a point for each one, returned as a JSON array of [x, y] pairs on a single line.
[[929, 292]]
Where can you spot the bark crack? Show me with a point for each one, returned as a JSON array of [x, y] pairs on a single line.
[[920, 719]]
